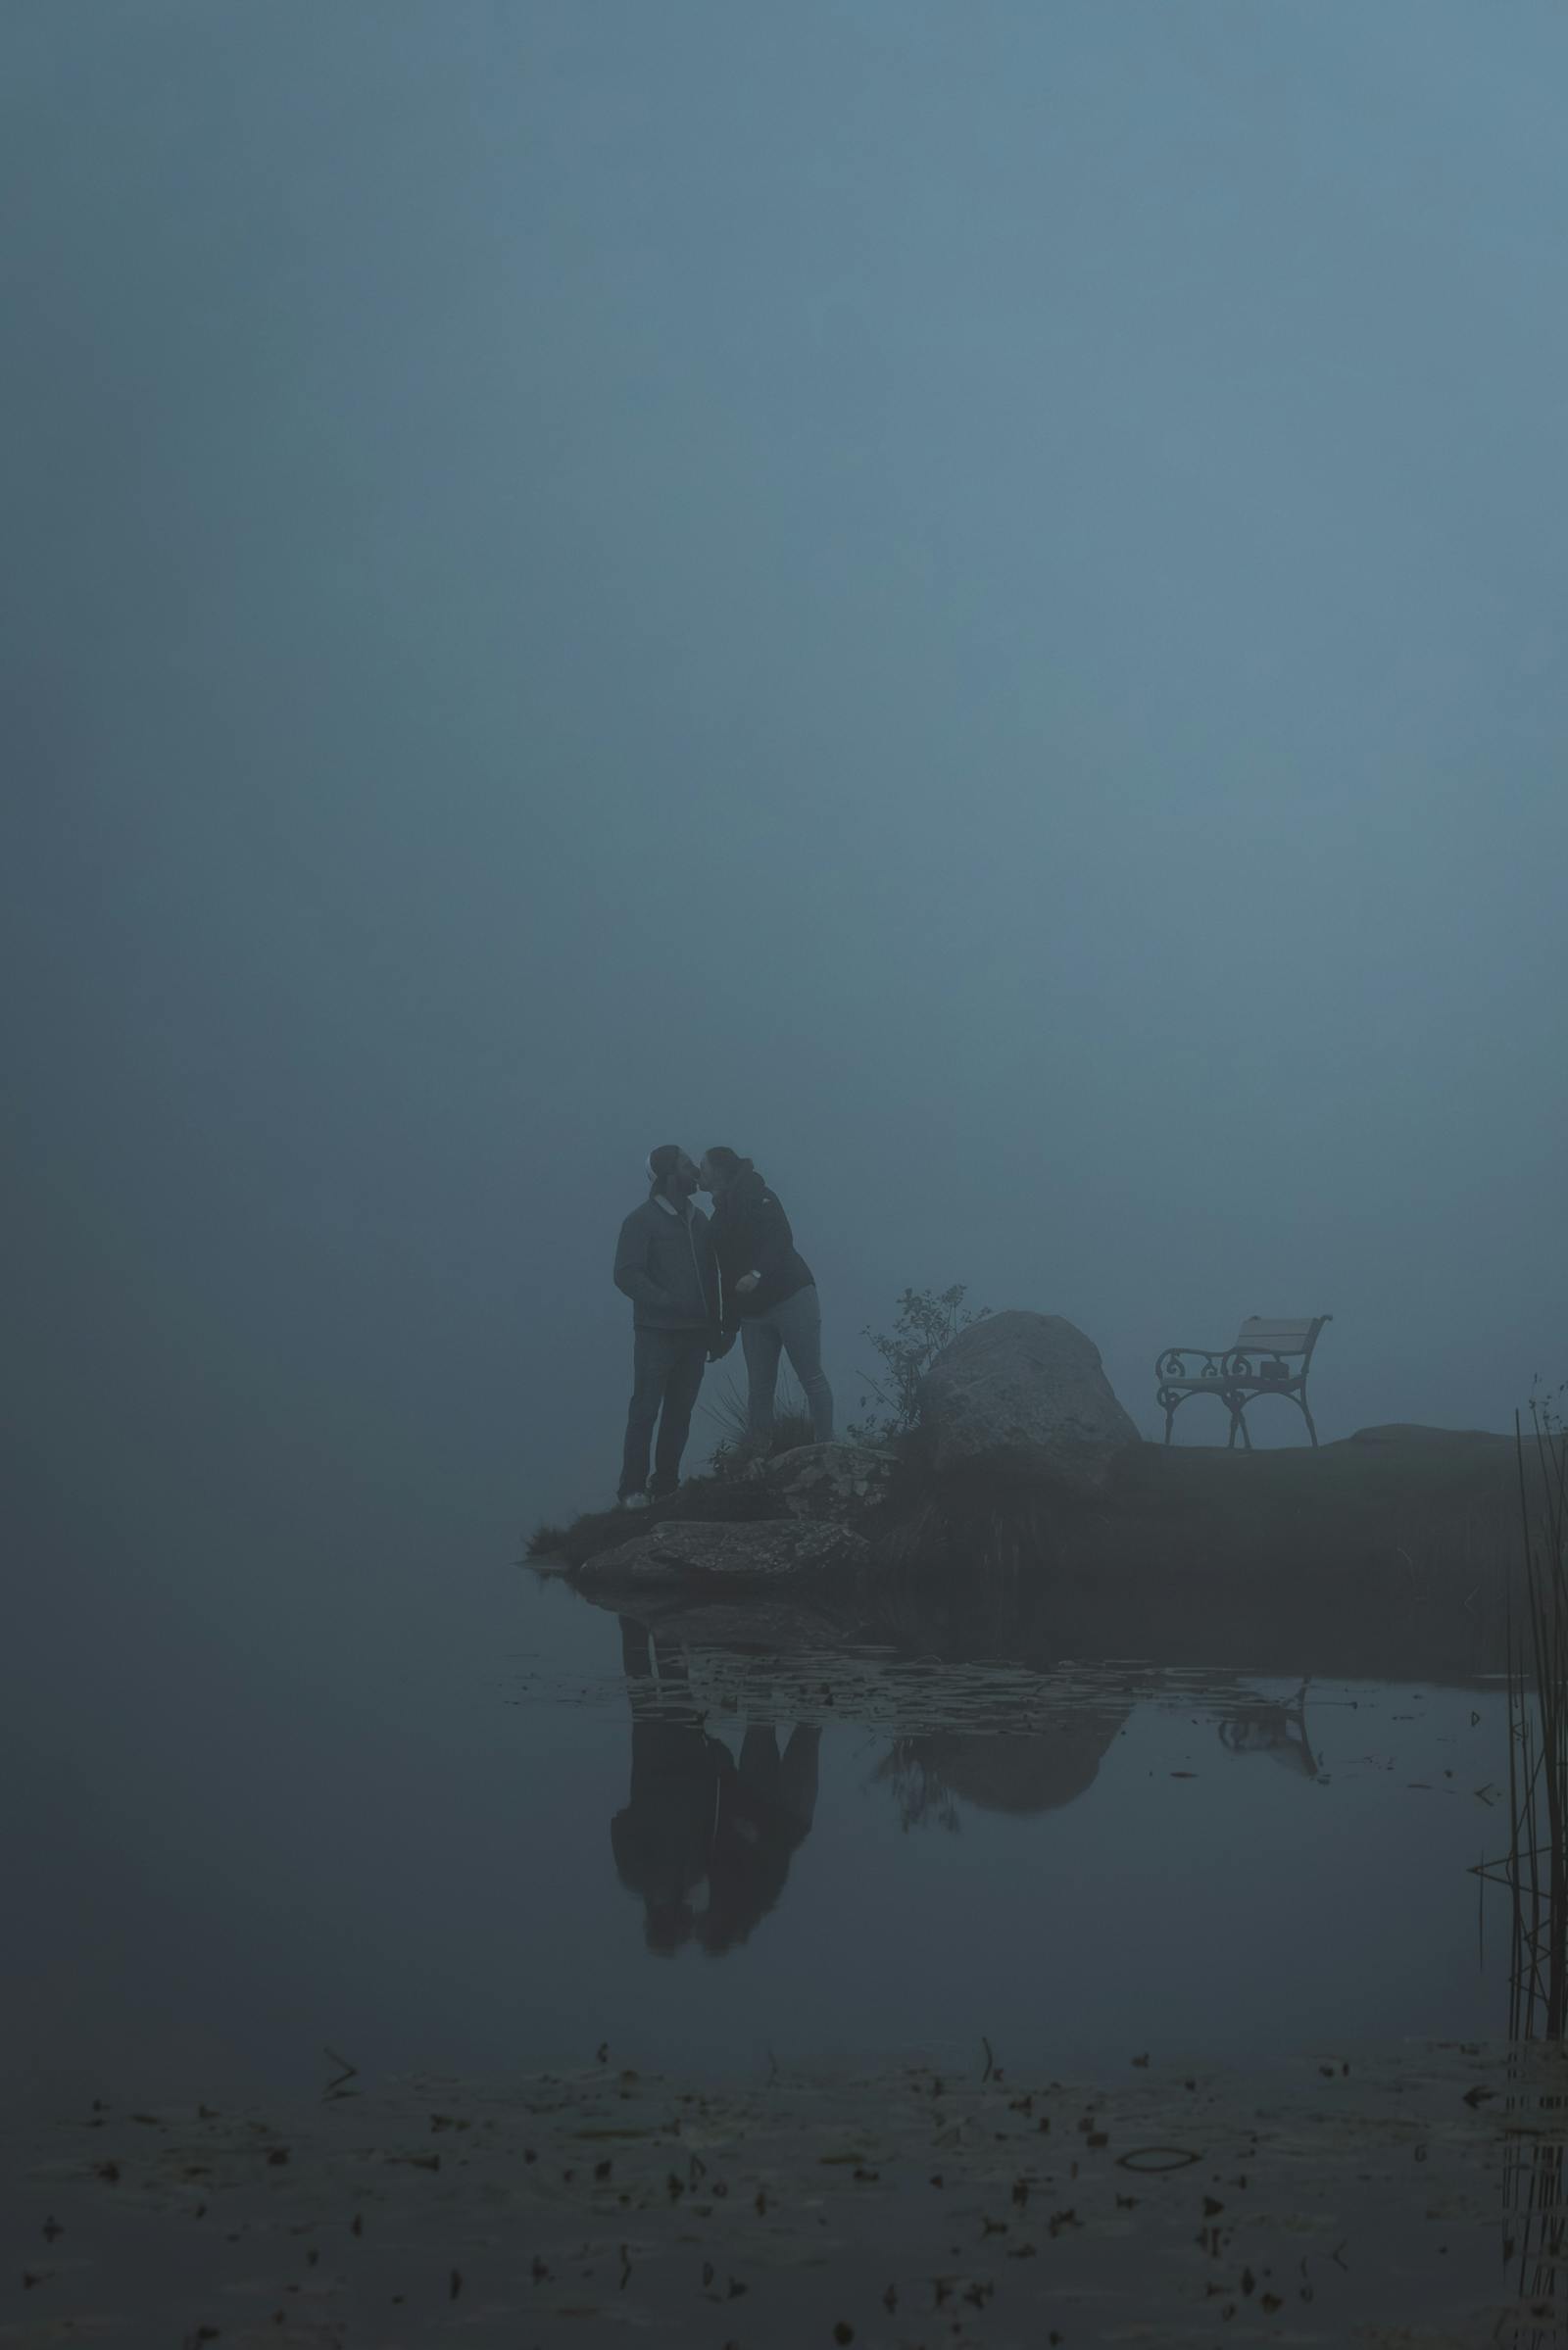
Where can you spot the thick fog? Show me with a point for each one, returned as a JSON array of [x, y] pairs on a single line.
[[969, 601]]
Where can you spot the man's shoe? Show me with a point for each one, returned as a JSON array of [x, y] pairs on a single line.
[[631, 1500]]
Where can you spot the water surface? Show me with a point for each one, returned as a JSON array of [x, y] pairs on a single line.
[[484, 1824]]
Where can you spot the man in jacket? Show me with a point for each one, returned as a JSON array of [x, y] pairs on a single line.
[[664, 1265], [663, 1839]]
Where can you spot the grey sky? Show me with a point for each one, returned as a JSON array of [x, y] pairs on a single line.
[[969, 600]]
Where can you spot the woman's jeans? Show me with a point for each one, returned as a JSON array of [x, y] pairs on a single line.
[[794, 1325]]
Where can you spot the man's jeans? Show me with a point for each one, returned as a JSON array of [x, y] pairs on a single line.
[[667, 1368], [796, 1326]]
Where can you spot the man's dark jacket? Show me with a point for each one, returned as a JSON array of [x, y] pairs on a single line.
[[664, 1265], [751, 1235]]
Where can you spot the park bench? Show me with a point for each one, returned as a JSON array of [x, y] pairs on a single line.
[[1258, 1364]]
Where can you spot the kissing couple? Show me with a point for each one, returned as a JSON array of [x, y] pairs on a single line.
[[695, 1281]]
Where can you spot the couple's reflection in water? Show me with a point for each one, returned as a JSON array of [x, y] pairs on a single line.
[[708, 1831], [707, 1836], [711, 1827]]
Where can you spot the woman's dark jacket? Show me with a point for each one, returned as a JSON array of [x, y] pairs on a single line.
[[751, 1235]]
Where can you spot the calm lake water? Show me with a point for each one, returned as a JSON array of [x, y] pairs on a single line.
[[466, 1821]]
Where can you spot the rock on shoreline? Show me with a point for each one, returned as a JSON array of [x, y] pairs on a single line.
[[764, 1550], [839, 1484], [1024, 1396]]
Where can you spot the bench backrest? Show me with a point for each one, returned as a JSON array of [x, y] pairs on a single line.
[[1267, 1334]]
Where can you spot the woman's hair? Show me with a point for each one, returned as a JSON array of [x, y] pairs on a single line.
[[728, 1163], [661, 1165]]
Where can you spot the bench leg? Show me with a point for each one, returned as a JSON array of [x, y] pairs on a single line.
[[1307, 1417]]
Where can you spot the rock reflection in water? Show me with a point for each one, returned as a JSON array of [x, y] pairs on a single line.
[[1040, 1771]]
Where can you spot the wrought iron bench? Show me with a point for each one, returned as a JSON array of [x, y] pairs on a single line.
[[1258, 1364]]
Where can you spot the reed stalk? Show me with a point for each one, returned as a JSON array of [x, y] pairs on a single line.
[[1536, 1868]]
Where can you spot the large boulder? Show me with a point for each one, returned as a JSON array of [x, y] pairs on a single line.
[[837, 1484], [1023, 1395], [764, 1550]]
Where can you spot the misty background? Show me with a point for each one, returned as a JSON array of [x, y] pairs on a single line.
[[969, 601]]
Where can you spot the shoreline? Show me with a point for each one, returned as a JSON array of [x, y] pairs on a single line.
[[1341, 2189], [1389, 1554]]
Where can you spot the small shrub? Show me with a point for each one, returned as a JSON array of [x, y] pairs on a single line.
[[921, 1793], [925, 1322], [546, 1541]]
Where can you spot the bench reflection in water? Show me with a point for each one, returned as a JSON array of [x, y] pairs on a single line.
[[1278, 1731]]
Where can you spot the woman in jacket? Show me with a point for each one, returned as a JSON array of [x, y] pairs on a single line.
[[768, 1290]]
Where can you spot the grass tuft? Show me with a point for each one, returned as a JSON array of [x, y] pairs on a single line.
[[737, 1448], [546, 1541]]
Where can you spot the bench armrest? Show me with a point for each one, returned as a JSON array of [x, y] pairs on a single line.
[[1174, 1362]]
